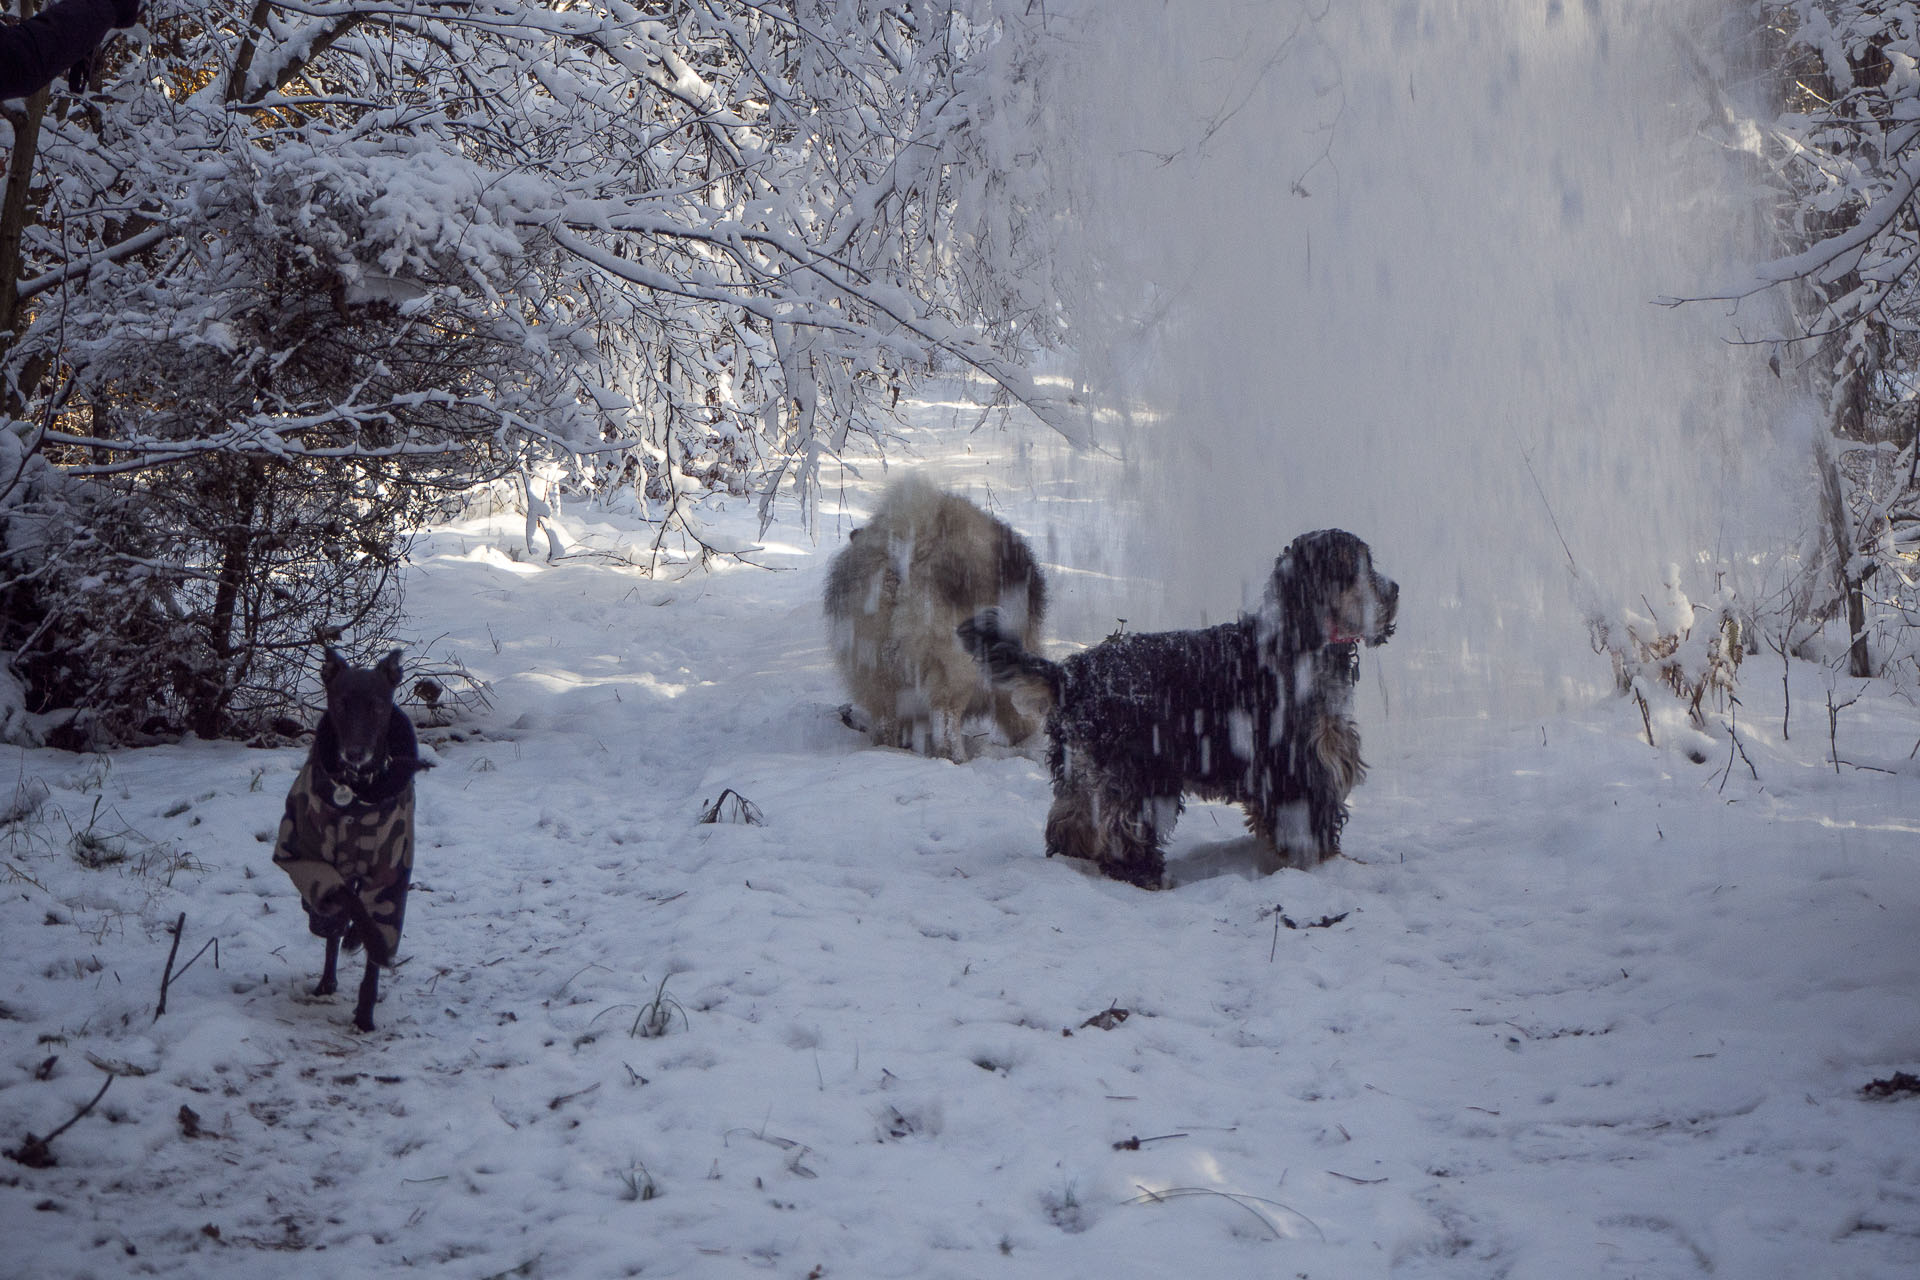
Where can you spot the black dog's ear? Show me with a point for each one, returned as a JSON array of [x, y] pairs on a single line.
[[390, 667], [1327, 558], [331, 665], [1292, 614], [1307, 556], [1302, 565]]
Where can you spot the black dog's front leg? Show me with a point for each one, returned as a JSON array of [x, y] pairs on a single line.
[[329, 978], [1328, 813], [369, 992]]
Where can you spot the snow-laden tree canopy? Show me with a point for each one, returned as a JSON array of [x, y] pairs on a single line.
[[1845, 156], [718, 231], [278, 272]]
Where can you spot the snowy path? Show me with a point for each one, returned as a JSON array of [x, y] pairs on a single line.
[[1583, 1011]]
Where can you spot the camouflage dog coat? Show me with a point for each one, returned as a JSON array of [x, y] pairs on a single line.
[[338, 839]]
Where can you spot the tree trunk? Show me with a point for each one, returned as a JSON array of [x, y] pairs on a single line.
[[1852, 584], [15, 213], [208, 714]]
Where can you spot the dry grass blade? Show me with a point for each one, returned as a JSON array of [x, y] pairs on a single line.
[[740, 810], [1247, 1202]]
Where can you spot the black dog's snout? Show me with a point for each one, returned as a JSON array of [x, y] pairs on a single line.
[[1388, 593]]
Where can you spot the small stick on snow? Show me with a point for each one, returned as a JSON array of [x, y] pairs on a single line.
[[1134, 1144], [36, 1153], [565, 1098], [166, 976]]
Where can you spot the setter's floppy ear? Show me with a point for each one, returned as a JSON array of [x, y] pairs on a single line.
[[1285, 623]]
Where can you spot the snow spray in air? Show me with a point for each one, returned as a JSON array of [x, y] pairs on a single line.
[[1398, 265]]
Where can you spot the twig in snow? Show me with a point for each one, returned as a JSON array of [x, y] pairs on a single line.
[[211, 944], [1324, 922], [1733, 741], [561, 1101], [1786, 687], [1833, 727], [1134, 1143], [166, 975], [36, 1153], [523, 1270]]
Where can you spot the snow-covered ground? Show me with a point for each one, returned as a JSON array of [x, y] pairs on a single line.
[[1572, 1006]]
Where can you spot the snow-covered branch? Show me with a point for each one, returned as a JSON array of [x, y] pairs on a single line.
[[300, 255]]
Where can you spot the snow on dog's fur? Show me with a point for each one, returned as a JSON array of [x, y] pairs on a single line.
[[1256, 712], [925, 562]]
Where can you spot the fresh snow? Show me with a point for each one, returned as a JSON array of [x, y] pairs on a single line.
[[1572, 1005]]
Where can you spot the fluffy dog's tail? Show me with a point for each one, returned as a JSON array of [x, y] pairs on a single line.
[[1008, 665]]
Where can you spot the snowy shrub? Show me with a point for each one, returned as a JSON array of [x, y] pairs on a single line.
[[1685, 652]]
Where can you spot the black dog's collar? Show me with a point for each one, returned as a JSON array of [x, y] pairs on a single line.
[[340, 791], [344, 788]]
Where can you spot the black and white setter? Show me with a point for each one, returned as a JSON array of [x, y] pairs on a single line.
[[1256, 712]]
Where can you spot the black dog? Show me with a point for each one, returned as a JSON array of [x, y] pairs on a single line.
[[1255, 712], [347, 836]]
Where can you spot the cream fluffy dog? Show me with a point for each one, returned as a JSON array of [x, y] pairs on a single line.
[[927, 561]]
